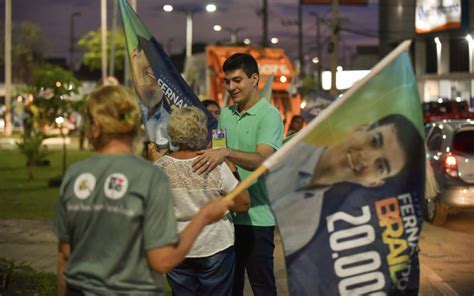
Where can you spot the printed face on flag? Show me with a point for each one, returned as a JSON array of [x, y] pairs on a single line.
[[367, 156], [158, 84], [144, 79]]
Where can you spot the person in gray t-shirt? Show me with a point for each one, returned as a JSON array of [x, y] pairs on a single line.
[[115, 221]]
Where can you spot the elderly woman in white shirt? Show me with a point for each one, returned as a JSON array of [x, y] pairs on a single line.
[[209, 267]]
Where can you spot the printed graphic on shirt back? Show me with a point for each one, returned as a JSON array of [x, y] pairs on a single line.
[[84, 185], [115, 186]]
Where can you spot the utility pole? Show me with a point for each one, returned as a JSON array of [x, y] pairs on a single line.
[[103, 21], [265, 23], [72, 40], [8, 67], [318, 47], [300, 38], [126, 69], [113, 36], [189, 34], [334, 43]]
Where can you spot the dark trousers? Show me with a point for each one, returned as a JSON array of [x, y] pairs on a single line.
[[211, 275], [71, 291], [254, 253]]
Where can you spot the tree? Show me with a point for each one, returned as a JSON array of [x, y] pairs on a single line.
[[92, 43], [53, 87], [29, 46]]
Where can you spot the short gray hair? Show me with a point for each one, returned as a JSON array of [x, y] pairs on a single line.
[[187, 128]]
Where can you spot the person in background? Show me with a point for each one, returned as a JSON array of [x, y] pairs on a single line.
[[254, 132], [209, 267], [213, 107], [296, 124], [114, 220]]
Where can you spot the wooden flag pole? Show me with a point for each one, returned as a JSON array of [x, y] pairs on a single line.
[[247, 182]]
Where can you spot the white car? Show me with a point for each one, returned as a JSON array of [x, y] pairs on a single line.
[[450, 145]]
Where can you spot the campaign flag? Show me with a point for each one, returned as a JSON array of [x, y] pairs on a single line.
[[266, 91], [159, 86], [347, 190]]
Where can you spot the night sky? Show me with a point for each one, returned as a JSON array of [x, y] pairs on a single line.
[[54, 16]]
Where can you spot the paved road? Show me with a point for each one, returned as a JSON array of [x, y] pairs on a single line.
[[447, 256]]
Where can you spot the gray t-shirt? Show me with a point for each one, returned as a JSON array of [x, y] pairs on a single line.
[[112, 209]]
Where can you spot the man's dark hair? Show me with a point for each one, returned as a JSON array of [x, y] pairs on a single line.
[[210, 102], [243, 61], [409, 138]]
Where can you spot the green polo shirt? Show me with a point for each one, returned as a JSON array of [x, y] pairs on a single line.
[[261, 124]]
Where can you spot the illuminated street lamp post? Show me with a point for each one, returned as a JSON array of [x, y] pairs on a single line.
[[189, 22], [103, 22], [470, 44], [232, 31], [8, 66]]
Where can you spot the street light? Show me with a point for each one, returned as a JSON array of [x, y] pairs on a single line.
[[189, 21], [274, 40], [211, 7], [233, 32]]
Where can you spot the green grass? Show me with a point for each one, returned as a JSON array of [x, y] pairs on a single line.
[[21, 198], [22, 279]]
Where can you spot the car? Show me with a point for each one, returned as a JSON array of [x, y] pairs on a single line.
[[450, 151], [447, 109]]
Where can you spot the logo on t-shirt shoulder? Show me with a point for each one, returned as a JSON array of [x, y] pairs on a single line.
[[115, 186], [84, 185]]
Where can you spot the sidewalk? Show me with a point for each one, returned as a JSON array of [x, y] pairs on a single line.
[[52, 143], [34, 242]]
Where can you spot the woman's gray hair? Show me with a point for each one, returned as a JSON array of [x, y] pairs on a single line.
[[187, 128]]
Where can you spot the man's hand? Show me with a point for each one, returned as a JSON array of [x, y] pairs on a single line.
[[209, 159]]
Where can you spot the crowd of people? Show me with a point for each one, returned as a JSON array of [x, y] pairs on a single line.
[[122, 221]]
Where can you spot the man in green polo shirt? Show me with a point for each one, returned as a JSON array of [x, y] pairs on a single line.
[[254, 132]]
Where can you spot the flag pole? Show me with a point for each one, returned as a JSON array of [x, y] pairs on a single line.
[[273, 159], [247, 182]]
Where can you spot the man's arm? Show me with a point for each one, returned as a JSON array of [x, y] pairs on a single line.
[[64, 249], [211, 158]]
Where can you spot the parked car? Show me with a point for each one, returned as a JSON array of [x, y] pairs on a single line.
[[450, 150], [448, 109]]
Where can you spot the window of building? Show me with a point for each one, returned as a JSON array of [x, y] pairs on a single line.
[[458, 54], [431, 57]]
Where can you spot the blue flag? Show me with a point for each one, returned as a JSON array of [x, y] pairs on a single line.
[[159, 86], [347, 190]]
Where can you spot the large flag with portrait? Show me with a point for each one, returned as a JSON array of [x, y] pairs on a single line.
[[347, 190], [159, 86]]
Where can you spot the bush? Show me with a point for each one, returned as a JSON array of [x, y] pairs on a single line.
[[20, 279], [33, 150]]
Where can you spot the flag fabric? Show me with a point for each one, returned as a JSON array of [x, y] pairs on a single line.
[[266, 91], [159, 86], [347, 190]]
